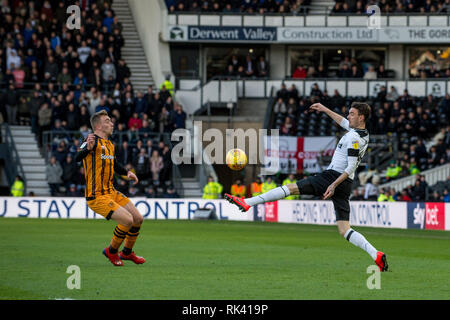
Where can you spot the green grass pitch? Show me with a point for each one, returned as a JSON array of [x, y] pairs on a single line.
[[218, 260]]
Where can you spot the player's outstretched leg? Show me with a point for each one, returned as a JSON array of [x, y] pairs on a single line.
[[272, 195], [127, 251], [360, 241]]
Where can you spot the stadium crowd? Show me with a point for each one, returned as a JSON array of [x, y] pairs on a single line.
[[56, 78], [246, 67], [294, 7], [392, 7], [348, 69], [235, 6], [420, 125]]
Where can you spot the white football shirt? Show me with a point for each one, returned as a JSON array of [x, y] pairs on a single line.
[[350, 150]]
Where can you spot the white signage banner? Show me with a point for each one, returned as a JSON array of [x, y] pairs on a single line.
[[76, 208], [362, 213], [181, 33], [320, 35]]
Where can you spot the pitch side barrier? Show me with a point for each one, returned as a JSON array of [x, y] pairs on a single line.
[[403, 215]]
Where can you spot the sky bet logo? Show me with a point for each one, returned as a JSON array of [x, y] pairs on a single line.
[[428, 215], [416, 215]]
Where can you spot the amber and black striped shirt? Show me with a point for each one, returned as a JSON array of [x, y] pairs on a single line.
[[99, 166]]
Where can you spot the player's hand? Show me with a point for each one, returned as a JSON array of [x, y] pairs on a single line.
[[132, 176], [317, 107], [330, 192], [90, 141]]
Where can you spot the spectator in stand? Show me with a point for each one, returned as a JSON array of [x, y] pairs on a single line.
[[393, 171], [164, 121], [283, 93], [299, 73], [404, 196], [230, 74], [171, 193], [315, 91], [370, 74], [345, 72], [355, 72], [280, 106], [156, 165], [321, 73], [69, 171], [446, 193], [356, 196], [54, 173], [392, 95], [72, 191], [287, 129], [12, 100], [150, 193], [291, 106], [167, 164], [381, 73], [178, 117], [142, 164], [435, 197], [311, 73], [262, 67], [249, 67], [238, 189], [371, 191]]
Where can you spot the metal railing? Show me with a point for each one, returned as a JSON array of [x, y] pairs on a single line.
[[261, 87], [8, 151], [381, 150], [432, 176]]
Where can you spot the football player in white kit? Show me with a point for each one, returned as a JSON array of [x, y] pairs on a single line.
[[335, 183]]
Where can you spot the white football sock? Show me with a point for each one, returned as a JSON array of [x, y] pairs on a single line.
[[358, 240], [272, 195]]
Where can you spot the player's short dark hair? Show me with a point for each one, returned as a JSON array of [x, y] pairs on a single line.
[[363, 108], [95, 118]]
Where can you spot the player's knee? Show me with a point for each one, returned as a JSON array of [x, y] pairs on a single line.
[[128, 220], [293, 189], [138, 219], [342, 231]]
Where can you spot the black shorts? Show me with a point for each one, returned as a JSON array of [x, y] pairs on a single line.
[[318, 184]]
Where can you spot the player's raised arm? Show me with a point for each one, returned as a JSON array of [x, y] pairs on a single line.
[[340, 120], [85, 148]]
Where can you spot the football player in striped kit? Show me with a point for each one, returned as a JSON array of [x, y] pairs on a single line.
[[100, 164]]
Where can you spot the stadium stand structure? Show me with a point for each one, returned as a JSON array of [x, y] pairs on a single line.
[[53, 79], [132, 51]]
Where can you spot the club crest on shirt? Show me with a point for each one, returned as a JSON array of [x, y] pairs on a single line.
[[355, 144]]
